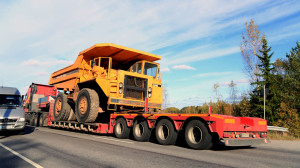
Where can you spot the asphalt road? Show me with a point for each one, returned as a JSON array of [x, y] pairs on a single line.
[[46, 147]]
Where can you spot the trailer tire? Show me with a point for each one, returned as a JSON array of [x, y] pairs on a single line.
[[33, 120], [43, 120], [165, 132], [121, 130], [197, 135], [87, 105], [141, 131], [61, 107]]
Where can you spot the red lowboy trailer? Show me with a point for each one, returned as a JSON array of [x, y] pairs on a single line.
[[200, 131]]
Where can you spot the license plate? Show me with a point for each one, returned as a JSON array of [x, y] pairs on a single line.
[[245, 135]]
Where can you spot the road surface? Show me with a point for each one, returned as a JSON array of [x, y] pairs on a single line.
[[46, 147]]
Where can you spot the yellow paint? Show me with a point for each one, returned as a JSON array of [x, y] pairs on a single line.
[[216, 116], [262, 122], [229, 121]]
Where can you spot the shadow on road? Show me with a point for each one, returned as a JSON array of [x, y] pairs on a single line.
[[27, 130]]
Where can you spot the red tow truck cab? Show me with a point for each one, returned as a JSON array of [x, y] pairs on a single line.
[[37, 102]]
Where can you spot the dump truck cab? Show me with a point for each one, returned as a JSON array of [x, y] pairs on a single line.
[[124, 80]]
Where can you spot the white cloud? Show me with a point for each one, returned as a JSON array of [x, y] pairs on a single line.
[[192, 57], [165, 70], [33, 62], [180, 67], [40, 35], [212, 74], [42, 73]]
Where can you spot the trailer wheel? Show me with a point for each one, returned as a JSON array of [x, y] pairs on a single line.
[[165, 132], [31, 121], [87, 105], [61, 107], [197, 135], [34, 120], [141, 131], [121, 129], [43, 120]]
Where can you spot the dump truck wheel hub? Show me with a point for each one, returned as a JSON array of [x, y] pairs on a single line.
[[58, 106], [83, 105]]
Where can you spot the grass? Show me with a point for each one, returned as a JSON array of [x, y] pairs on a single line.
[[281, 136]]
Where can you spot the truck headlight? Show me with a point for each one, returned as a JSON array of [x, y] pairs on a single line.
[[121, 88], [22, 119], [149, 92]]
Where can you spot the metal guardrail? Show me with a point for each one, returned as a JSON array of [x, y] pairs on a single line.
[[280, 129]]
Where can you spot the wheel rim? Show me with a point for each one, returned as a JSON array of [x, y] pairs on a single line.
[[119, 128], [163, 132], [139, 130], [195, 135], [83, 105], [58, 106]]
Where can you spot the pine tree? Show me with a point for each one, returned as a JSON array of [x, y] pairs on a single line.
[[263, 79]]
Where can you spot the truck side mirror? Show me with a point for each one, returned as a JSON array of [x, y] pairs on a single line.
[[93, 63]]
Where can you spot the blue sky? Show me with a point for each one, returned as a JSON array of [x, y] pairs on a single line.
[[198, 40]]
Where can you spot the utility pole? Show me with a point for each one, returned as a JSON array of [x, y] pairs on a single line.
[[264, 102]]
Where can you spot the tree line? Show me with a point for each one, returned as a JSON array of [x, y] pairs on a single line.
[[277, 82]]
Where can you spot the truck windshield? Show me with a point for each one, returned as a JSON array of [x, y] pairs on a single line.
[[150, 69], [10, 100], [137, 67]]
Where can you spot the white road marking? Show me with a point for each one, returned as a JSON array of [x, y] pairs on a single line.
[[112, 139], [22, 157]]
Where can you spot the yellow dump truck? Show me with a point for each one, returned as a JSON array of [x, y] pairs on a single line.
[[107, 78]]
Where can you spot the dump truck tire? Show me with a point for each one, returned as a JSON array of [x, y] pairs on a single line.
[[121, 130], [72, 116], [165, 132], [61, 107], [141, 131], [197, 135], [87, 106]]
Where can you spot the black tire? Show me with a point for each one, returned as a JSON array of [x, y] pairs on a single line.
[[43, 120], [141, 131], [62, 108], [72, 116], [165, 132], [197, 135], [121, 130], [33, 120], [87, 105]]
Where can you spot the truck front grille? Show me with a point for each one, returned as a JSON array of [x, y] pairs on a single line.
[[6, 120], [135, 88]]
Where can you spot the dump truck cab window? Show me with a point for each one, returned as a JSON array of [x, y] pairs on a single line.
[[137, 67], [150, 69]]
